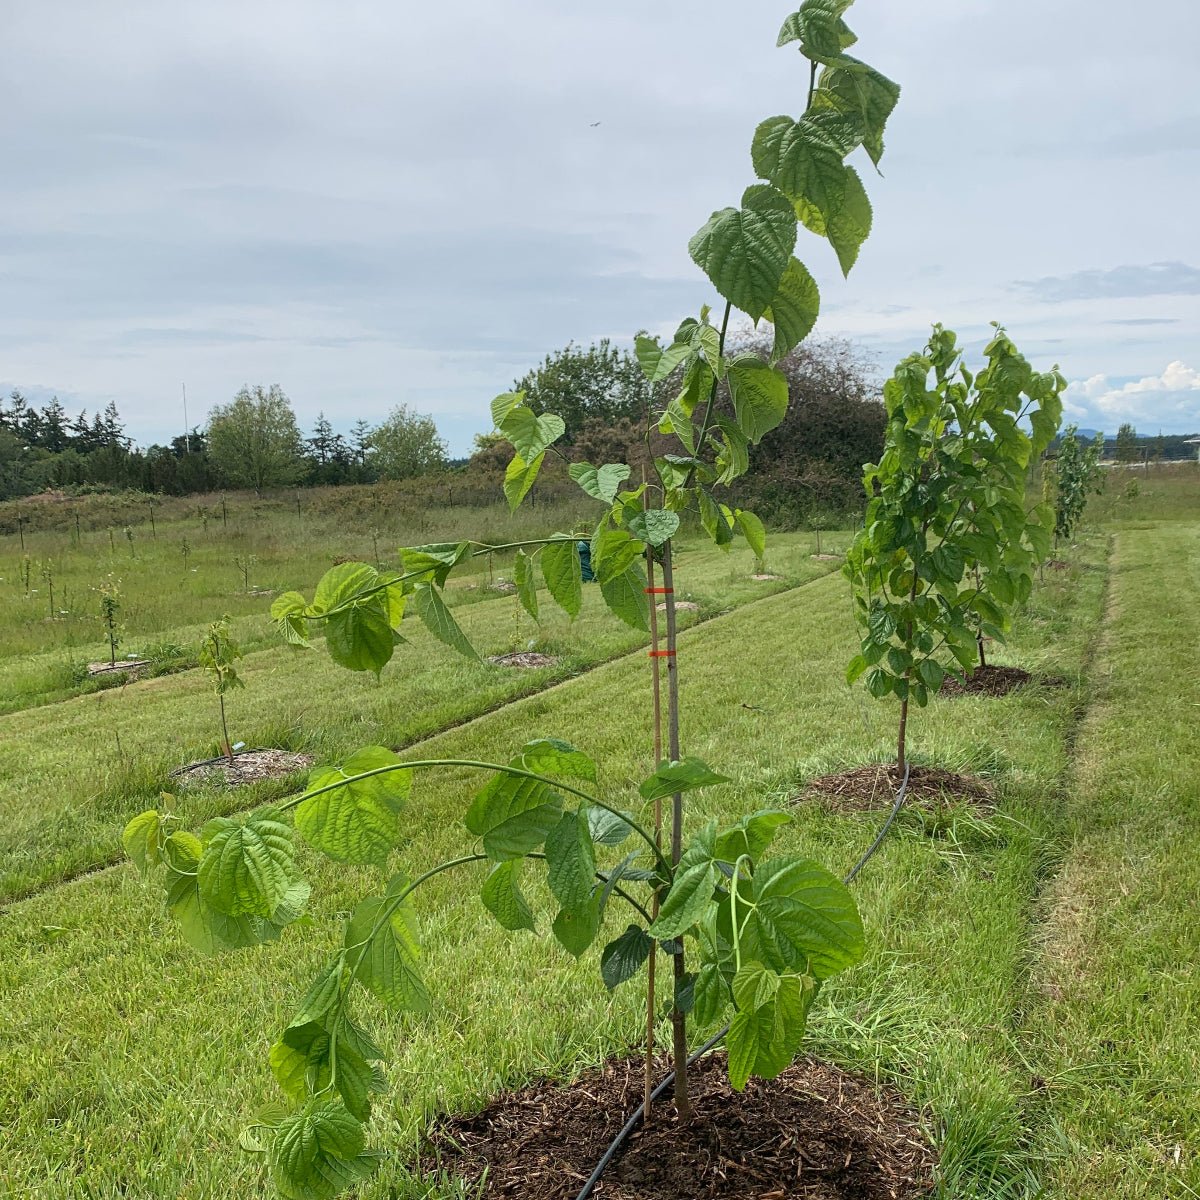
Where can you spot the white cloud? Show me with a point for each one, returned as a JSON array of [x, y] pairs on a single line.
[[230, 192], [1169, 398]]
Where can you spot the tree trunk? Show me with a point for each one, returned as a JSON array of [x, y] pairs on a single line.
[[225, 730], [678, 1018], [652, 964], [901, 761]]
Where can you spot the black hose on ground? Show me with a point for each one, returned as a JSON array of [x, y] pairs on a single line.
[[635, 1118]]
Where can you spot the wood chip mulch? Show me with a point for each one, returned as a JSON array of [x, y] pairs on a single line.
[[815, 1133], [527, 659], [248, 767], [996, 681], [986, 681], [865, 788], [131, 666]]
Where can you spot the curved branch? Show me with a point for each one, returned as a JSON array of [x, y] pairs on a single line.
[[519, 772]]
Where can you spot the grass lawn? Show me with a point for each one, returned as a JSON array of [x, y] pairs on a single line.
[[1112, 1025], [131, 1063], [71, 774]]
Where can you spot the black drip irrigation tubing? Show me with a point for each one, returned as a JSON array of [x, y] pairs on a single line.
[[669, 1078]]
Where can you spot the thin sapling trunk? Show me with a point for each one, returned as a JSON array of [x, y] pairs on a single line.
[[979, 635], [651, 964], [678, 1018], [225, 730]]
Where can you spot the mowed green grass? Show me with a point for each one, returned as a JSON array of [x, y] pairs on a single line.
[[1113, 1027], [72, 774], [130, 1063]]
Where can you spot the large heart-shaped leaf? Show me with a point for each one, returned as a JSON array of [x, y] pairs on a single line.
[[744, 251]]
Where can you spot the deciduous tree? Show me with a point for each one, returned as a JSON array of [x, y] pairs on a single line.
[[254, 441]]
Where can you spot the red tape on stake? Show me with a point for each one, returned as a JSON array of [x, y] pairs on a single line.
[[661, 653], [659, 591]]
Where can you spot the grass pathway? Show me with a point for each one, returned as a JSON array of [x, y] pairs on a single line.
[[1114, 1010]]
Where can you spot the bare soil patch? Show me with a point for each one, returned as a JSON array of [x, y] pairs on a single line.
[[766, 576], [815, 1133], [1057, 564], [996, 681], [986, 681], [249, 766], [875, 786], [130, 666], [826, 557], [526, 659], [682, 606]]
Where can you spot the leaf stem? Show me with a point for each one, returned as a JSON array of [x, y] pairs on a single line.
[[712, 394]]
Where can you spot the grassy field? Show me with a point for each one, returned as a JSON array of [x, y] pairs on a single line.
[[71, 774], [1030, 975], [194, 568]]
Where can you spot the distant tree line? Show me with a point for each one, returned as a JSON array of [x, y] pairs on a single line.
[[252, 442], [1129, 446]]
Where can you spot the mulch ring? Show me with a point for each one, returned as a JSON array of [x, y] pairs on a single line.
[[130, 666], [249, 766], [865, 788], [526, 659], [826, 557], [996, 681], [815, 1133], [766, 577], [681, 606]]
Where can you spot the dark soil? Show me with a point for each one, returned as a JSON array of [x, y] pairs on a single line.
[[527, 659], [996, 681], [866, 788], [986, 681], [1056, 564], [815, 1133], [249, 766]]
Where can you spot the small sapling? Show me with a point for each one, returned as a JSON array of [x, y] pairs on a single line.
[[218, 653]]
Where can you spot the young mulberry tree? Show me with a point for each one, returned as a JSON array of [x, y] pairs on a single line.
[[761, 931], [949, 546], [1076, 475]]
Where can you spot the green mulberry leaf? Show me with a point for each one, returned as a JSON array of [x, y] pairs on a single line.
[[384, 947], [502, 896], [623, 957], [563, 575], [358, 821], [744, 251], [318, 1152], [246, 867]]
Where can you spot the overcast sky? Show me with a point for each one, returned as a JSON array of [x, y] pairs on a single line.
[[370, 203]]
